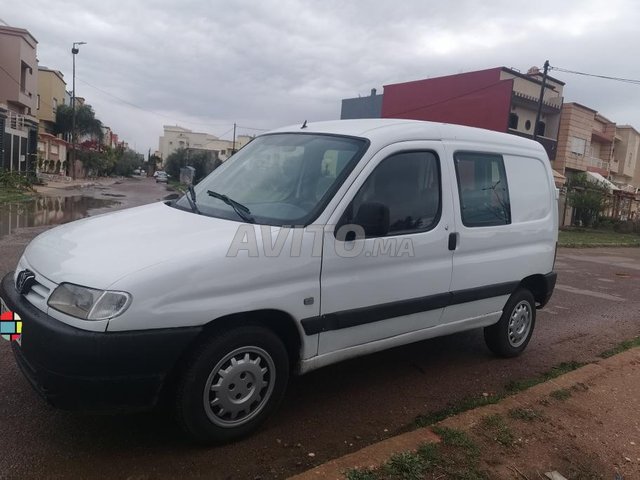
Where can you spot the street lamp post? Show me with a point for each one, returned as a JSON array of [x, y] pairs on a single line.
[[74, 52]]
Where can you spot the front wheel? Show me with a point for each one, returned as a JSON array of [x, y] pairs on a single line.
[[232, 384], [510, 336]]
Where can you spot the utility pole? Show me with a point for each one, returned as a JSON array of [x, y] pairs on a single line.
[[74, 52], [233, 148], [541, 99]]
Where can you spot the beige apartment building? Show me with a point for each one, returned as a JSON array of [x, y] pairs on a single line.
[[585, 141], [625, 169], [51, 93], [18, 100], [19, 73], [176, 137]]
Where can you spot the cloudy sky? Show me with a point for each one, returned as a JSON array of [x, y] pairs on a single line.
[[205, 64]]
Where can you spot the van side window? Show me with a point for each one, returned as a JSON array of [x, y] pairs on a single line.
[[483, 189], [408, 184]]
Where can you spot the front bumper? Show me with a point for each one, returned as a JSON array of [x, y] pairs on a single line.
[[82, 370]]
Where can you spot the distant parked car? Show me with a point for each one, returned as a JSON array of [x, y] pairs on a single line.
[[162, 177], [137, 171], [159, 172]]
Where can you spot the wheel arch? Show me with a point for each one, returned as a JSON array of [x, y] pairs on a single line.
[[538, 285], [278, 321]]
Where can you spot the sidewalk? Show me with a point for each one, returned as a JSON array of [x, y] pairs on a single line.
[[54, 186], [584, 424]]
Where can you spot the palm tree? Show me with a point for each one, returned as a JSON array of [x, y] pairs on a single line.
[[86, 122]]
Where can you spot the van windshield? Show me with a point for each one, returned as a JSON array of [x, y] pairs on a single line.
[[282, 179]]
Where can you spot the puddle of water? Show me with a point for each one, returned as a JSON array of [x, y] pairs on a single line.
[[43, 211]]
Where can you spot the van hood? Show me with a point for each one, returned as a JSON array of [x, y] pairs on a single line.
[[98, 251]]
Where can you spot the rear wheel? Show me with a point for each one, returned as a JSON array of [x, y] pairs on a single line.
[[510, 336], [232, 384]]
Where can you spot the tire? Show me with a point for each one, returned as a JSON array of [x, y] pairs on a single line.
[[233, 382], [510, 336]]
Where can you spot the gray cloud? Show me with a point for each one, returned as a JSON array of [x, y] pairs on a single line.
[[206, 64]]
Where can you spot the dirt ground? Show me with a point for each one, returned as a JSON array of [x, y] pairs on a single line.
[[583, 425]]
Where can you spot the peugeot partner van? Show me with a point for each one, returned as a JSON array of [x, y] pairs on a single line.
[[313, 244]]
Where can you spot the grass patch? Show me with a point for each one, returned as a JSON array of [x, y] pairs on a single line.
[[525, 414], [361, 475], [468, 403], [621, 347], [10, 195], [495, 427], [513, 387], [561, 394], [405, 466], [560, 369], [582, 238], [456, 457]]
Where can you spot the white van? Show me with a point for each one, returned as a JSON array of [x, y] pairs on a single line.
[[313, 244]]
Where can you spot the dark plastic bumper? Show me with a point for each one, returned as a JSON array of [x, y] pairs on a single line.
[[550, 284], [96, 371]]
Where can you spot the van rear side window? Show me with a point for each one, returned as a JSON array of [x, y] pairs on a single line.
[[483, 189]]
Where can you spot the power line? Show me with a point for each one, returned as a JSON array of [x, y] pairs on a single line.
[[255, 129], [606, 77], [147, 109], [161, 114]]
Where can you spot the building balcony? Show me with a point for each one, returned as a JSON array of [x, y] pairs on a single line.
[[16, 121], [549, 144], [601, 137], [598, 163], [549, 105]]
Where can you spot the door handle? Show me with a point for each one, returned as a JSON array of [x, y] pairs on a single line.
[[453, 241]]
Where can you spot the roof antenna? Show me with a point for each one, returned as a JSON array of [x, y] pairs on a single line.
[[304, 125]]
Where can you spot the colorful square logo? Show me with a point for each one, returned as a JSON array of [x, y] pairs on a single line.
[[10, 326]]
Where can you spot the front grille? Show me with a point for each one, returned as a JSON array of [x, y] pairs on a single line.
[[40, 290]]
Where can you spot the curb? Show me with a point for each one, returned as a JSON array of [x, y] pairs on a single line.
[[379, 453]]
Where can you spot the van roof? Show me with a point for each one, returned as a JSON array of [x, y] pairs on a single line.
[[394, 130]]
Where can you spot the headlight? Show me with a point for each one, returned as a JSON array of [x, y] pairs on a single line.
[[88, 303]]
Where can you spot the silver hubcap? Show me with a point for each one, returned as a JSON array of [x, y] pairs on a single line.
[[519, 324], [239, 386]]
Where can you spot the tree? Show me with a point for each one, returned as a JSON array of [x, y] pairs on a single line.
[[590, 198], [86, 122]]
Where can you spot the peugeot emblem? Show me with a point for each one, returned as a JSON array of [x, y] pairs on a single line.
[[26, 279]]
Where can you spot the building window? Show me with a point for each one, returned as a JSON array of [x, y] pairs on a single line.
[[578, 145], [483, 190], [23, 77], [55, 104], [541, 128], [513, 121], [38, 102], [527, 125]]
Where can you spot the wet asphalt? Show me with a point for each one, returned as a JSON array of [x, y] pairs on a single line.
[[327, 413]]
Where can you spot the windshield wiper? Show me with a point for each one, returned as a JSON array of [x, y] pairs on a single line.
[[242, 210], [191, 197]]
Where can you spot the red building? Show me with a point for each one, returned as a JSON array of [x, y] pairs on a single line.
[[500, 99]]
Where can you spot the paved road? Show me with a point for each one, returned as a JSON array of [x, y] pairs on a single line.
[[327, 413]]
